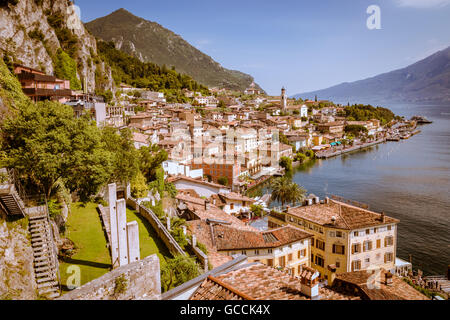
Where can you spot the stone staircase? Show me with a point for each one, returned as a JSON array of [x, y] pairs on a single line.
[[11, 201], [45, 257]]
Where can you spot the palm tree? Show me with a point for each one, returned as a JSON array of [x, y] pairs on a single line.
[[285, 190], [296, 193]]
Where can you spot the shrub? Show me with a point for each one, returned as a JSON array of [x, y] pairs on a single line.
[[223, 181], [286, 163]]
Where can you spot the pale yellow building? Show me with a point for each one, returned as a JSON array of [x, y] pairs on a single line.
[[345, 236]]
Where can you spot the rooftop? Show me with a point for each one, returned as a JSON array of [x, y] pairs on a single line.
[[346, 216]]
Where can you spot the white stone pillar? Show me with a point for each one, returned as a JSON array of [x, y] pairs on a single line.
[[194, 241], [133, 242], [122, 231], [112, 197], [168, 223]]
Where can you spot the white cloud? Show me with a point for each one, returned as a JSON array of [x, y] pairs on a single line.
[[422, 3]]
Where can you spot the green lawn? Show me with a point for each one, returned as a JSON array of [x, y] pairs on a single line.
[[148, 239], [84, 228]]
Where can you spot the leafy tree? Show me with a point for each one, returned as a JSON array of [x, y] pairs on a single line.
[[300, 157], [177, 271], [150, 159], [257, 210], [286, 163], [355, 129], [223, 181], [45, 143], [125, 157], [139, 188]]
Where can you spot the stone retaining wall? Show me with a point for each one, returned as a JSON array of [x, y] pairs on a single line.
[[141, 281], [159, 228]]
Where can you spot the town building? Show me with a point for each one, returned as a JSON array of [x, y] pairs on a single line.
[[350, 237], [39, 86]]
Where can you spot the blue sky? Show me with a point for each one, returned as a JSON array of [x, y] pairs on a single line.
[[303, 45]]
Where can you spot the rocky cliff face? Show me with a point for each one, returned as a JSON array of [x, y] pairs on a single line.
[[27, 36], [16, 262]]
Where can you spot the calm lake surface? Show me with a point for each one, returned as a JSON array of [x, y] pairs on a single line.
[[408, 180]]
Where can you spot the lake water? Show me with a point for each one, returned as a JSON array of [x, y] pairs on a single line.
[[408, 180]]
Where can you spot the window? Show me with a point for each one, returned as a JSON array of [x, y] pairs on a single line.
[[356, 248], [282, 261], [388, 257], [320, 244], [290, 257], [339, 234], [339, 249], [338, 264], [231, 206], [367, 246], [356, 233], [332, 234], [320, 261], [378, 243], [367, 231], [389, 228], [388, 241], [270, 262], [257, 252], [269, 250], [367, 260], [356, 265], [244, 252]]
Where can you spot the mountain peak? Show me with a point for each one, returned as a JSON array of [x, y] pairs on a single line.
[[151, 42]]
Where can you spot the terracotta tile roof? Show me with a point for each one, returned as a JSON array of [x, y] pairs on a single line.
[[347, 216], [206, 183], [228, 238], [260, 282], [214, 289], [373, 288], [203, 233], [197, 206], [235, 196]]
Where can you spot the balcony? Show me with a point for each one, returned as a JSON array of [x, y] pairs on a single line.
[[47, 92]]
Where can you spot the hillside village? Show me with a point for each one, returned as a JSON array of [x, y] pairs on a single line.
[[153, 200]]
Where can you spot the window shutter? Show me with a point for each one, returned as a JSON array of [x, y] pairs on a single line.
[[353, 248], [385, 258], [334, 248]]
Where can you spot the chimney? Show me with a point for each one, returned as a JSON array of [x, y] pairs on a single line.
[[331, 274], [310, 202], [207, 207], [317, 200], [383, 217], [309, 283], [333, 220], [388, 278], [327, 200]]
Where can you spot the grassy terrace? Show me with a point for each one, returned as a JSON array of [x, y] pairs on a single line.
[[148, 239], [84, 228], [92, 256]]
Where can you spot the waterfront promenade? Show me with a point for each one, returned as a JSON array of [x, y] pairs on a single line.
[[341, 150]]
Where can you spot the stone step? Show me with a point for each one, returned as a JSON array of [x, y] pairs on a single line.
[[42, 264], [47, 284], [42, 274], [37, 229], [42, 258], [39, 254], [48, 290], [41, 280], [46, 268], [53, 295], [38, 244]]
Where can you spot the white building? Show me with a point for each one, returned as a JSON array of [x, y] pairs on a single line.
[[172, 167]]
